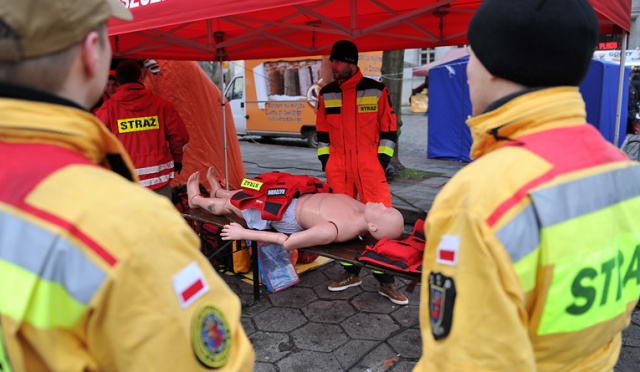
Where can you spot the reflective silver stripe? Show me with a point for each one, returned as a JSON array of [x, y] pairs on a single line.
[[156, 180], [564, 202], [154, 169], [369, 93], [387, 143], [332, 96], [521, 235], [611, 187], [323, 144], [49, 256]]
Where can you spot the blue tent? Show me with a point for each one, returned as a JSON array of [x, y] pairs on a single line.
[[600, 92], [449, 106]]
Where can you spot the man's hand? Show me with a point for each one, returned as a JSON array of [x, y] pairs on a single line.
[[232, 231], [384, 160], [177, 167], [323, 160]]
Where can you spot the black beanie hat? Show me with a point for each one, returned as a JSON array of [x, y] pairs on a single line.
[[536, 43], [344, 51]]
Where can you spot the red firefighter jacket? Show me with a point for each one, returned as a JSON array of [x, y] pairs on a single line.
[[357, 133], [150, 129]]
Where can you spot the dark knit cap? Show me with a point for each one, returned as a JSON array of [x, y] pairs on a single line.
[[536, 43], [344, 51]]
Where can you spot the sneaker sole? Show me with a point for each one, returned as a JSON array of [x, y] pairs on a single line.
[[394, 300], [338, 289]]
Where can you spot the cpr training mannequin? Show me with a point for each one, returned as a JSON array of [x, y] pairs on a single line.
[[322, 218]]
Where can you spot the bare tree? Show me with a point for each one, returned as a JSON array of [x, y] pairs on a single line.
[[392, 66]]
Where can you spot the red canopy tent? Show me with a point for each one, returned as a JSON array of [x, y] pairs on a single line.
[[249, 29]]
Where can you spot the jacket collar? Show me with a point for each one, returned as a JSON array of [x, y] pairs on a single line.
[[525, 113], [351, 82], [31, 94], [65, 125]]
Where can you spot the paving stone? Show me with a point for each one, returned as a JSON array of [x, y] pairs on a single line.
[[328, 311], [310, 361], [407, 343], [312, 278], [403, 366], [280, 319], [270, 346], [264, 367], [247, 324], [373, 302], [414, 295], [380, 359], [407, 315], [631, 335], [293, 297], [369, 282], [252, 308], [629, 360], [369, 326], [319, 337], [353, 350]]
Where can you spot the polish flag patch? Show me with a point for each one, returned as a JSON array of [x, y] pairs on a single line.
[[190, 284], [447, 252]]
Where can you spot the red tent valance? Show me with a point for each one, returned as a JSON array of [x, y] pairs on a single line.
[[249, 29]]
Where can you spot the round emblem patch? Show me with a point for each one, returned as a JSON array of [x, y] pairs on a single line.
[[210, 337]]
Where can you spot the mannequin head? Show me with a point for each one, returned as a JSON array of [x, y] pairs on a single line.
[[383, 221]]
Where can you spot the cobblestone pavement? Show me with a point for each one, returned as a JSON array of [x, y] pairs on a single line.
[[308, 328]]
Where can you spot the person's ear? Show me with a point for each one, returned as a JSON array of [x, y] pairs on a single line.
[[91, 53], [372, 227]]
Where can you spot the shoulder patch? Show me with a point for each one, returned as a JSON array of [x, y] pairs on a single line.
[[442, 296], [447, 251], [211, 337], [190, 284]]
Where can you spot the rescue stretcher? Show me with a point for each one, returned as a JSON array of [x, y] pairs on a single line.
[[346, 251]]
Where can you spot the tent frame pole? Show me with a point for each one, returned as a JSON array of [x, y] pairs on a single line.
[[224, 125], [219, 37], [623, 54]]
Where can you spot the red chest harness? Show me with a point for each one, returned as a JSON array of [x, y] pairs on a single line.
[[272, 192], [402, 255]]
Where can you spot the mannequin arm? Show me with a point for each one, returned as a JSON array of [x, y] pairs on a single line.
[[321, 234], [235, 231]]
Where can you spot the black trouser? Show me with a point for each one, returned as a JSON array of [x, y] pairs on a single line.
[[381, 277], [164, 191]]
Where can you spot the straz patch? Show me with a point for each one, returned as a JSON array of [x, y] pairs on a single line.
[[367, 108], [138, 124], [211, 337], [251, 184], [442, 296], [277, 192], [190, 284]]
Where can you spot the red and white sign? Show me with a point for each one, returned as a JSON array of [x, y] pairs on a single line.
[[447, 252], [190, 284]]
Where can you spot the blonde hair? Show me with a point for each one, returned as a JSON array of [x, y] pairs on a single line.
[[47, 73]]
